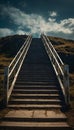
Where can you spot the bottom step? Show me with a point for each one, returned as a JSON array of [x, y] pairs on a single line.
[[31, 125]]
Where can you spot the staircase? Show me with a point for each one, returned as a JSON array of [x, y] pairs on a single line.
[[36, 101]]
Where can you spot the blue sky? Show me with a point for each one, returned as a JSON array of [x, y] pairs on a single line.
[[52, 17]]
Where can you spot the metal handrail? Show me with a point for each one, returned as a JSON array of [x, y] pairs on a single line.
[[55, 51], [12, 71], [61, 70]]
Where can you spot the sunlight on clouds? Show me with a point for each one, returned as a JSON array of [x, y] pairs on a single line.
[[51, 20], [52, 13], [5, 32], [36, 24], [20, 32]]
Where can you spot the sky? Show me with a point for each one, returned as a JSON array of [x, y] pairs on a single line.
[[51, 17]]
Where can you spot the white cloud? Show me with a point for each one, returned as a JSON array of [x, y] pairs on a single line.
[[35, 24], [52, 20], [68, 22], [53, 13], [20, 32], [5, 32]]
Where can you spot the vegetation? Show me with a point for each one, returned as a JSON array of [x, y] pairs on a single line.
[[9, 46], [65, 48]]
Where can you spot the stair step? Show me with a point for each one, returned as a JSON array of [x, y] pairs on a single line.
[[34, 87], [34, 125], [32, 83], [35, 101], [35, 116], [19, 119], [35, 96], [36, 80], [45, 91], [31, 76], [34, 106]]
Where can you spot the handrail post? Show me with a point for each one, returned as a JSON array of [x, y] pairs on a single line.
[[66, 84], [6, 85]]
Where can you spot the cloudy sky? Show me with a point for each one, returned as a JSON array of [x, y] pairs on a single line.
[[52, 17]]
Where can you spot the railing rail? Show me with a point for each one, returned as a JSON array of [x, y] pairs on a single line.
[[12, 71], [61, 70]]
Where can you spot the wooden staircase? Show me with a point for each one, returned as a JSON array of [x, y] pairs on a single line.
[[37, 100]]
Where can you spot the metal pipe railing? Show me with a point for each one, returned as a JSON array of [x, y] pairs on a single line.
[[12, 71], [61, 70]]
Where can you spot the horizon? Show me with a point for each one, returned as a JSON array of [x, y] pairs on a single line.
[[35, 36]]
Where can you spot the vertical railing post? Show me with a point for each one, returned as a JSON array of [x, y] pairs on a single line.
[[66, 84], [6, 86]]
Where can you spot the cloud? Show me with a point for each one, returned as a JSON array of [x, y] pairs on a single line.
[[53, 13], [35, 24], [5, 32], [21, 32], [52, 20]]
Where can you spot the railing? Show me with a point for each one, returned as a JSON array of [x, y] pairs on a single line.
[[61, 70], [12, 71]]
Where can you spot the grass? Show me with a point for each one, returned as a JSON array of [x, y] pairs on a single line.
[[4, 61], [66, 47], [63, 45], [9, 46]]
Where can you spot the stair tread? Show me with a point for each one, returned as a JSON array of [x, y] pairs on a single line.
[[43, 100], [34, 86], [34, 124], [34, 90], [35, 114], [34, 106], [34, 83], [33, 95]]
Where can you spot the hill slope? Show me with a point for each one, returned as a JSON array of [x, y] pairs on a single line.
[[9, 47], [65, 49]]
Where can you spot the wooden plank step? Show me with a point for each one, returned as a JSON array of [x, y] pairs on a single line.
[[32, 83], [34, 125], [35, 91], [34, 106], [38, 101], [35, 116], [35, 87], [26, 119], [35, 96], [36, 79]]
